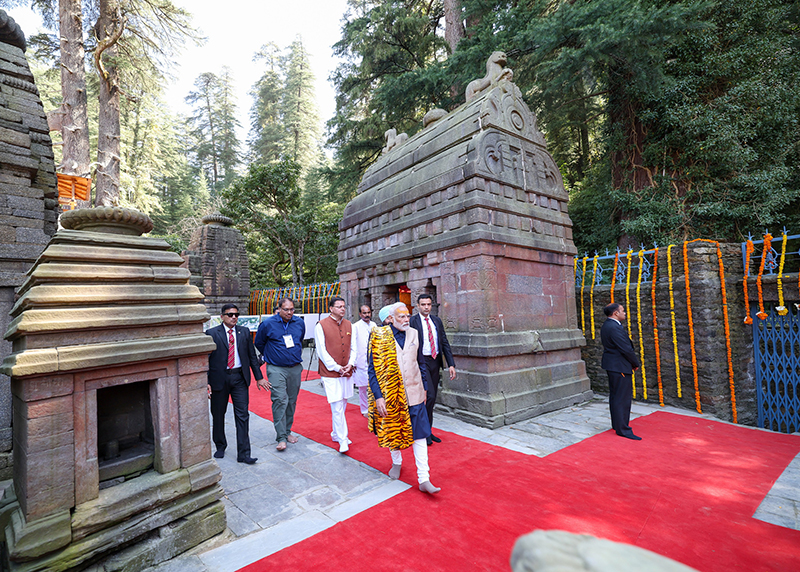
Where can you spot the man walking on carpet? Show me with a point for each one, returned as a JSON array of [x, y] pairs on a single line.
[[361, 330], [229, 367], [620, 361], [333, 336], [434, 344], [398, 384], [280, 341]]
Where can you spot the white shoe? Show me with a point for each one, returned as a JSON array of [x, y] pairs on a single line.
[[343, 447]]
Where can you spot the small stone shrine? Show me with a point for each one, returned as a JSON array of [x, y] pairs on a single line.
[[112, 456], [472, 210], [27, 193], [217, 259]]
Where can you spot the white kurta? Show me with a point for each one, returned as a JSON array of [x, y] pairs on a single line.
[[336, 388], [361, 332]]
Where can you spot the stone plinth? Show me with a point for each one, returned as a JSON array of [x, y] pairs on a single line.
[[27, 192], [106, 324], [473, 211], [218, 263]]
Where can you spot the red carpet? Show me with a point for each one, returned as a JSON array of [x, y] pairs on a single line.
[[688, 491]]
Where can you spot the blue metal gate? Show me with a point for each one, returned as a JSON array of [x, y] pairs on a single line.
[[776, 344]]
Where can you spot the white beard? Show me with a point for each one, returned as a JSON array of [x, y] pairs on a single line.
[[402, 327]]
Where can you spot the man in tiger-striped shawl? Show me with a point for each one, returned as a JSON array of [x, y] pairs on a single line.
[[398, 388]]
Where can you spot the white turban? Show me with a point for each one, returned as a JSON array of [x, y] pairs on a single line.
[[389, 310]]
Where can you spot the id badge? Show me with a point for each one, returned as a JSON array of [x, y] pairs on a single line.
[[287, 339]]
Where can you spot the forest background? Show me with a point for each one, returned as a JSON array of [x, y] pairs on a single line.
[[668, 120]]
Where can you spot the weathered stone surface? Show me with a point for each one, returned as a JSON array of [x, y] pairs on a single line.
[[138, 495], [204, 474], [35, 538], [556, 550]]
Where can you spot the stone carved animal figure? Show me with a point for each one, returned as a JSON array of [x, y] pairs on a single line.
[[393, 140], [495, 72]]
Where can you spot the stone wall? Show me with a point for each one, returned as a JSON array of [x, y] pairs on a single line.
[[27, 192], [709, 331]]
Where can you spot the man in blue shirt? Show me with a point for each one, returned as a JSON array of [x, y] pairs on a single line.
[[280, 341]]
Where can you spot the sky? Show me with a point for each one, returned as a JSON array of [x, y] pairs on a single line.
[[235, 30]]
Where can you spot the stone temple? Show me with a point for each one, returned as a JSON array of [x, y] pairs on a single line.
[[472, 210]]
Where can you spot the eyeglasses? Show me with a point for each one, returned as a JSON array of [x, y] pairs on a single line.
[[286, 309], [232, 315]]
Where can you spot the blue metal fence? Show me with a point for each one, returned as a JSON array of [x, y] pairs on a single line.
[[605, 267]]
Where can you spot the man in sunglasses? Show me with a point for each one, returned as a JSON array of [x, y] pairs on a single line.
[[229, 369]]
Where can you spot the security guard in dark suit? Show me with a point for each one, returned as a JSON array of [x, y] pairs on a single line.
[[619, 361]]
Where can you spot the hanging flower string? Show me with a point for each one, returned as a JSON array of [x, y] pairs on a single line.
[[583, 283], [762, 315], [639, 322], [749, 248], [614, 276], [781, 309], [691, 325], [628, 306], [728, 348], [591, 292], [655, 328], [672, 314]]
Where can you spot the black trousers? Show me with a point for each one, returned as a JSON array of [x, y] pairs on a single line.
[[235, 387], [619, 401], [433, 368]]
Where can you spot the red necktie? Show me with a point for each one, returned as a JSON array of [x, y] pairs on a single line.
[[231, 345], [430, 338]]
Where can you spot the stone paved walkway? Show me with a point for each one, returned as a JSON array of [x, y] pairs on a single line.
[[290, 496]]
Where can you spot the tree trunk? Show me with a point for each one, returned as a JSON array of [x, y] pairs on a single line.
[[108, 30], [75, 118], [453, 23]]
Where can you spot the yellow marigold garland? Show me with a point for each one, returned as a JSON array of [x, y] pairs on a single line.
[[691, 325], [749, 248], [639, 322], [591, 292], [672, 313], [628, 306], [655, 328], [614, 276], [583, 283], [781, 309], [767, 245]]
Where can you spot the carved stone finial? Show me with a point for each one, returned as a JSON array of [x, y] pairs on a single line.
[[393, 140], [10, 32], [111, 220], [217, 219], [496, 71], [433, 115]]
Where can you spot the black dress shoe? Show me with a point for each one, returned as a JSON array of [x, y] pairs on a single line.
[[429, 441], [247, 460], [435, 439], [220, 453], [630, 436]]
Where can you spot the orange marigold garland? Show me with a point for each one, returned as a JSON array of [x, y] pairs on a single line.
[[780, 308], [767, 245], [691, 325], [614, 276], [749, 248], [583, 283], [655, 328]]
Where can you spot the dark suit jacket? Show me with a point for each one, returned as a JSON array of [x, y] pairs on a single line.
[[442, 344], [618, 353], [218, 359]]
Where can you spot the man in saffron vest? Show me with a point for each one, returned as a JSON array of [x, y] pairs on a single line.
[[398, 385], [333, 336]]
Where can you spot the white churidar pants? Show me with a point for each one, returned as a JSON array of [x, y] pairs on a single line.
[[420, 447]]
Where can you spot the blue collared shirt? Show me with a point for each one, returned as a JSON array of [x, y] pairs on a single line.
[[269, 340]]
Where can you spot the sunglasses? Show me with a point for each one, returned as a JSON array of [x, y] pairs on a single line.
[[232, 315]]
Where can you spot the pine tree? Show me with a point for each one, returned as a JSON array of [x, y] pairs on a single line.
[[299, 113], [266, 130]]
